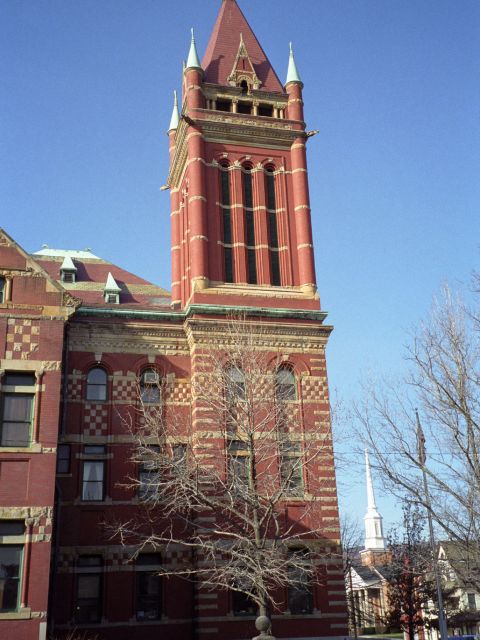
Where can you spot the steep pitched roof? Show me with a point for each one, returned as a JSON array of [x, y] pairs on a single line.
[[222, 49], [92, 274]]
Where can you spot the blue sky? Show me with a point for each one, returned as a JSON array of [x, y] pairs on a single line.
[[392, 85]]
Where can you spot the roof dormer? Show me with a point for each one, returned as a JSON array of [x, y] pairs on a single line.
[[68, 270], [111, 292]]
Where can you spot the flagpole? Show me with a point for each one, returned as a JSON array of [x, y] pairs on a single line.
[[422, 457]]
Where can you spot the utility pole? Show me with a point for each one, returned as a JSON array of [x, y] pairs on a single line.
[[422, 457]]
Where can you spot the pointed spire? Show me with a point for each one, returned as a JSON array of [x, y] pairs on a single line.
[[222, 49], [174, 120], [193, 61], [370, 493], [374, 539], [292, 73]]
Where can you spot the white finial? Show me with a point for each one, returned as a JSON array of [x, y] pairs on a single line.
[[175, 119], [193, 60], [292, 73], [373, 520]]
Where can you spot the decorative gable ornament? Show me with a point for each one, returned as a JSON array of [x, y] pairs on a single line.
[[243, 70]]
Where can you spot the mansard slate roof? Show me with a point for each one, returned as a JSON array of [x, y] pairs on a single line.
[[222, 49], [91, 277]]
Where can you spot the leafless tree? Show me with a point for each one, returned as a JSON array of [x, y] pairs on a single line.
[[444, 384], [218, 479], [351, 538]]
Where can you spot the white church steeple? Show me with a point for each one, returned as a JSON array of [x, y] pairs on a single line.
[[374, 539]]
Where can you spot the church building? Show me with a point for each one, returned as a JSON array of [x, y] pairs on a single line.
[[82, 341]]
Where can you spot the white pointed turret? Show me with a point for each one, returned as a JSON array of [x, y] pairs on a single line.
[[68, 270], [374, 539], [292, 73], [175, 119], [193, 61]]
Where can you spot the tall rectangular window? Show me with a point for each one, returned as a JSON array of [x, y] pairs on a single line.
[[63, 458], [88, 601], [2, 290], [11, 560], [93, 480], [17, 403], [148, 587], [250, 227], [227, 223], [272, 228], [291, 468], [300, 595]]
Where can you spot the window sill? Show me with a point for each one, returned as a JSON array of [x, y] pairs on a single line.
[[21, 614], [33, 448]]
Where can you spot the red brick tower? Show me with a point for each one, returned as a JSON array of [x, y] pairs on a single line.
[[241, 230]]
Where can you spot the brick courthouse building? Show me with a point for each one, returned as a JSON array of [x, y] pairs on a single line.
[[77, 334]]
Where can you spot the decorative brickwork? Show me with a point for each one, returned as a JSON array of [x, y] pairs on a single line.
[[23, 338]]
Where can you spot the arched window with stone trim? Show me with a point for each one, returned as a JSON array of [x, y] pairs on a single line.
[[150, 386], [272, 226], [249, 225], [285, 384], [227, 241], [97, 380]]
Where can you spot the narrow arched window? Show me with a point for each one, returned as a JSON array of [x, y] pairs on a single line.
[[272, 226], [2, 290], [97, 384], [227, 222], [150, 390], [285, 385], [234, 383], [249, 226]]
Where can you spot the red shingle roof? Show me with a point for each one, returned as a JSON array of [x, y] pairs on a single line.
[[222, 49]]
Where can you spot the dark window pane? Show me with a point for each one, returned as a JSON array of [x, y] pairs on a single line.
[[94, 449], [225, 180], [272, 230], [97, 384], [275, 267], [148, 484], [228, 264], [252, 266], [223, 105], [19, 379], [244, 107], [265, 110], [17, 414], [149, 559], [10, 563], [2, 289], [149, 592], [93, 481], [285, 387], [90, 561], [63, 458], [291, 475], [88, 607], [150, 387], [270, 179], [300, 596], [247, 185], [12, 527], [243, 605], [227, 227]]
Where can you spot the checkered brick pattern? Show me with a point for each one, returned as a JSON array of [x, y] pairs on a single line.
[[74, 388], [123, 390], [150, 413], [314, 388], [42, 526], [117, 558], [95, 421], [22, 338], [178, 392]]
